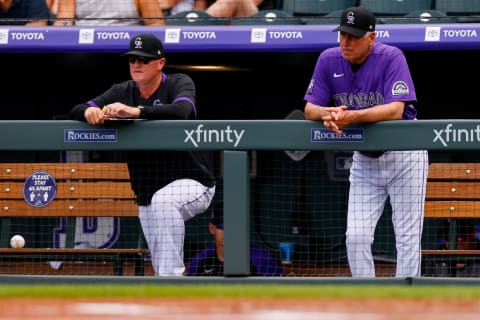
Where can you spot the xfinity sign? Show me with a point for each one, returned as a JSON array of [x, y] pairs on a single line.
[[449, 134], [201, 135]]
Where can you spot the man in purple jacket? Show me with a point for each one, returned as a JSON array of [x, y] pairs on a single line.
[[363, 81], [209, 262]]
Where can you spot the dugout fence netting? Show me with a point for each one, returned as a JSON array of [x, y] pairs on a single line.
[[300, 199]]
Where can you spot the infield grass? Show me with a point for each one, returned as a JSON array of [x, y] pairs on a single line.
[[238, 290]]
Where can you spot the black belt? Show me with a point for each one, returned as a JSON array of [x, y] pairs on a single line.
[[372, 154]]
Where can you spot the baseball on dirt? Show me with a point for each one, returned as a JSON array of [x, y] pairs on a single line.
[[17, 241]]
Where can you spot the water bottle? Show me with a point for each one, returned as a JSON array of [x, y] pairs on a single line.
[[477, 238], [461, 243], [441, 268], [443, 244]]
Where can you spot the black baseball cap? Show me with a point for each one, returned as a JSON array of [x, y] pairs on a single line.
[[217, 215], [146, 45], [356, 21]]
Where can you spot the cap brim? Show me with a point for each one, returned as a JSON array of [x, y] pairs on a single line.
[[216, 223], [139, 53], [353, 31]]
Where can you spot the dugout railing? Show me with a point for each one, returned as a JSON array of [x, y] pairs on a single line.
[[236, 138]]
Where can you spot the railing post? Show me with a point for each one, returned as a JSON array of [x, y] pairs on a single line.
[[236, 195]]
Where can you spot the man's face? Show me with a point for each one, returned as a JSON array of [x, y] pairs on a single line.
[[5, 4], [143, 70], [356, 49], [219, 236]]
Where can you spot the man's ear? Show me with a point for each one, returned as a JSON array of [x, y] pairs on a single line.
[[212, 228]]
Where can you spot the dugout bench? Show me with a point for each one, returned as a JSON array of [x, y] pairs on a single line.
[[453, 193], [80, 190]]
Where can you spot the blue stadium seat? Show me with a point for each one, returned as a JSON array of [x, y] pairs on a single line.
[[315, 7], [458, 7], [463, 10], [332, 18], [194, 17], [395, 7], [419, 16], [268, 17]]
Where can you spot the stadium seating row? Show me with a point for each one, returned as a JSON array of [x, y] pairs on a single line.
[[327, 12], [382, 7]]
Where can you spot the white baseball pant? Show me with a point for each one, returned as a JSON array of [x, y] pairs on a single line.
[[163, 222], [402, 176]]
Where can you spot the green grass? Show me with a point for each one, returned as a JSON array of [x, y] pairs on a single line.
[[260, 291]]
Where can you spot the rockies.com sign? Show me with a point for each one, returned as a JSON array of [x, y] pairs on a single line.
[[90, 135]]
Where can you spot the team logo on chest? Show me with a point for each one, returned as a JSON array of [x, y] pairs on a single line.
[[399, 88]]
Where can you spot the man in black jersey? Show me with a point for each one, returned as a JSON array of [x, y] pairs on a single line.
[[170, 186]]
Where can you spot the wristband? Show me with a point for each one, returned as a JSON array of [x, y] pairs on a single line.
[[142, 111]]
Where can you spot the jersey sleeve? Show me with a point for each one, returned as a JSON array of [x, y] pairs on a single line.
[[116, 92], [122, 92], [264, 263], [398, 85], [318, 91], [193, 268], [181, 92]]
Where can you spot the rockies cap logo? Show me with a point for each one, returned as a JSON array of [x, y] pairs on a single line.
[[138, 43], [350, 18]]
